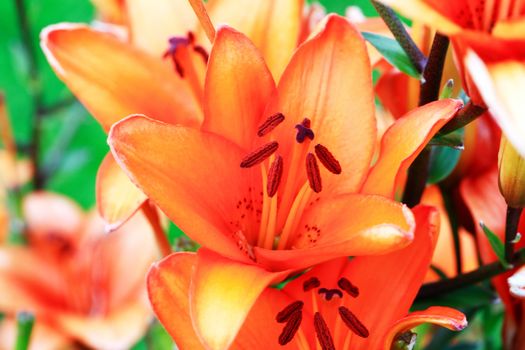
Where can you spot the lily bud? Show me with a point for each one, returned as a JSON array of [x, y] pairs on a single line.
[[511, 175]]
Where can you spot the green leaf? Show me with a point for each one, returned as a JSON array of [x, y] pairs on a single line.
[[393, 53], [443, 160], [496, 244]]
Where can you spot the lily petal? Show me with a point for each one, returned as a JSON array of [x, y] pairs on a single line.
[[117, 197], [324, 71], [168, 290], [237, 89], [403, 141], [501, 84], [152, 26], [176, 167], [237, 286], [442, 316], [273, 25], [118, 330], [388, 283], [326, 231], [47, 213], [113, 79]]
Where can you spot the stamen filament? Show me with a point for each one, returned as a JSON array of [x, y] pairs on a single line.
[[204, 18], [272, 221], [294, 216], [265, 210], [191, 76]]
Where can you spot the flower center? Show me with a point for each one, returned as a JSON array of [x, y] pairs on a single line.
[[182, 51], [292, 316], [284, 205]]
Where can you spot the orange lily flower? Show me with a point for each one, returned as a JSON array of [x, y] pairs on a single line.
[[270, 214], [485, 202], [102, 71], [494, 74], [343, 304], [89, 287]]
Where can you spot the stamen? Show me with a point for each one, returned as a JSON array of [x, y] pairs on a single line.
[[323, 333], [352, 322], [313, 174], [274, 176], [259, 154], [327, 159], [329, 293], [290, 328], [348, 287], [311, 283], [202, 51], [285, 314], [270, 124], [304, 131]]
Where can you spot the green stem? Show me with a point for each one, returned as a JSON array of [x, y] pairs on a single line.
[[434, 70], [35, 86], [25, 322], [430, 290], [511, 228], [465, 116], [397, 28], [429, 91]]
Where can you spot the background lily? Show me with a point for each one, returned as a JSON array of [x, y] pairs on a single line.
[[359, 303], [79, 56], [495, 32], [267, 222], [89, 287]]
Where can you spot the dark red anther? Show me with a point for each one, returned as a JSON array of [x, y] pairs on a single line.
[[348, 287], [270, 124], [311, 283], [327, 159], [352, 322], [202, 52], [285, 314], [330, 293], [323, 333], [304, 131], [313, 174], [291, 327], [259, 154], [274, 176]]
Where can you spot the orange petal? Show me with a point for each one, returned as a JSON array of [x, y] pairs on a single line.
[[194, 177], [442, 316], [111, 10], [388, 283], [120, 329], [326, 232], [272, 25], [117, 197], [324, 71], [501, 84], [122, 282], [443, 257], [168, 289], [151, 25], [113, 79], [234, 104], [47, 213], [403, 141], [435, 14], [222, 293]]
